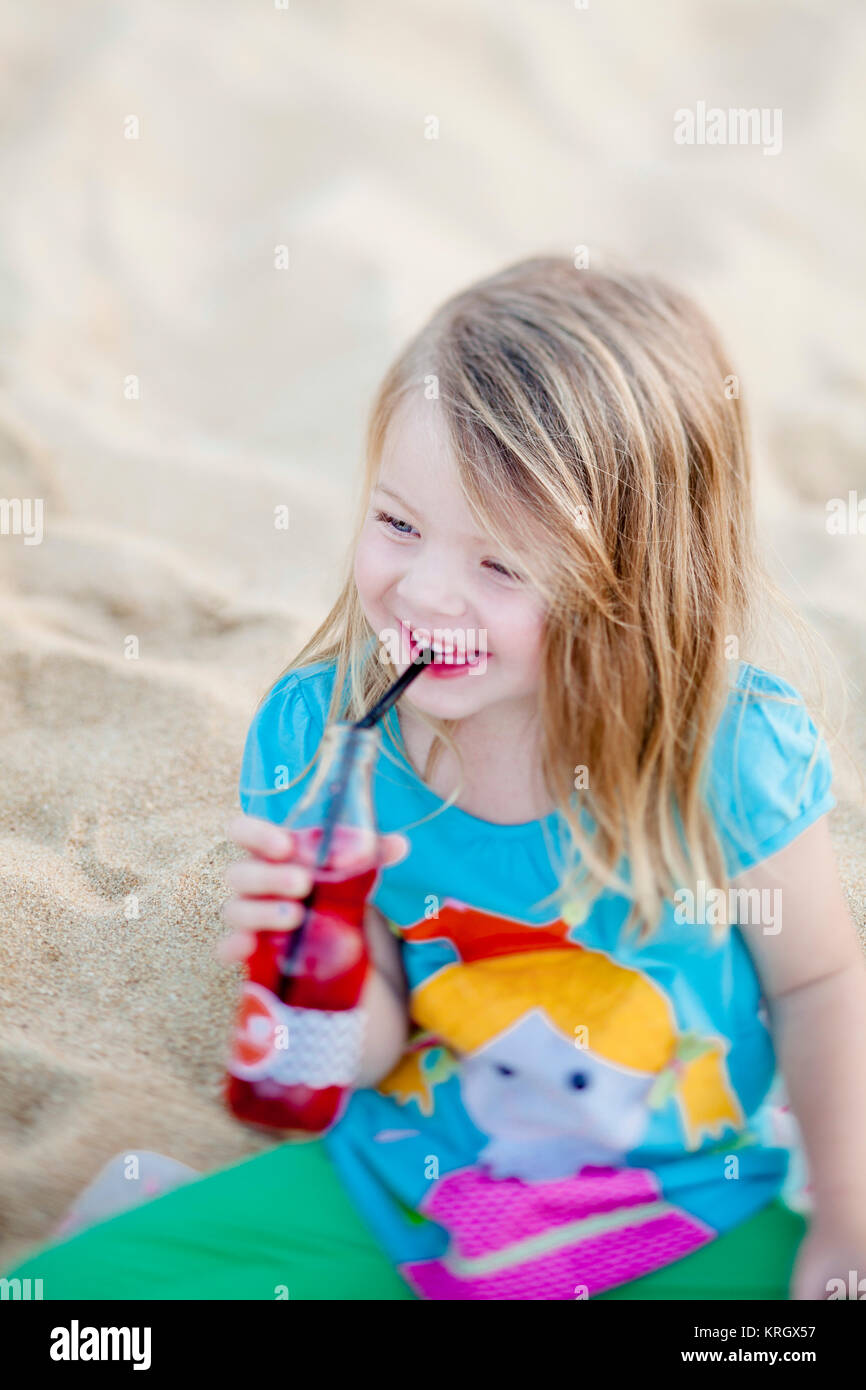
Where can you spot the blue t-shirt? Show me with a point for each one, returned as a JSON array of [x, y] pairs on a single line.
[[573, 1110]]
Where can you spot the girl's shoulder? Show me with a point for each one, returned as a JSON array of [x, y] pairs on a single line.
[[311, 684], [770, 770], [305, 690], [283, 736]]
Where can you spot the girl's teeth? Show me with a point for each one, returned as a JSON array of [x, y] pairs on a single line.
[[451, 657]]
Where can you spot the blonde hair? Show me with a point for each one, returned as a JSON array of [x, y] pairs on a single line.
[[588, 411]]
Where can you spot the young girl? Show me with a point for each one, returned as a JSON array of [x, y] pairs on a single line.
[[608, 926]]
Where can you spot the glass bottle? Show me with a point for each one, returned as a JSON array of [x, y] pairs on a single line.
[[299, 1030]]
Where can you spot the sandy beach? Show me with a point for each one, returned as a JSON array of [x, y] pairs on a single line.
[[164, 386]]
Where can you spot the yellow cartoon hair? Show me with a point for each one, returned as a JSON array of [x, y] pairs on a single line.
[[628, 1020]]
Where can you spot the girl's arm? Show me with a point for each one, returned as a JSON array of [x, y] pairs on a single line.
[[813, 974], [386, 999]]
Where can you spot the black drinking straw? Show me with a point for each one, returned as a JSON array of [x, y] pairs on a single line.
[[340, 783]]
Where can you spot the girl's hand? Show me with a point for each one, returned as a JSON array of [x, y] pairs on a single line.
[[831, 1249], [268, 884]]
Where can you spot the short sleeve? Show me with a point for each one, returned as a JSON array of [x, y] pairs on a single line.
[[283, 737], [771, 770]]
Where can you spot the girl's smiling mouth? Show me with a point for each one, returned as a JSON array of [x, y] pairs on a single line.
[[447, 656]]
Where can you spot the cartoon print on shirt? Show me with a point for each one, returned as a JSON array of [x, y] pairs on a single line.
[[562, 1053], [550, 1108], [425, 1062]]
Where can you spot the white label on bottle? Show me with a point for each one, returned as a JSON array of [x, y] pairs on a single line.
[[291, 1046]]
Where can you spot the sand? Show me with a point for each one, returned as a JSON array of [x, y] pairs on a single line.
[[154, 259]]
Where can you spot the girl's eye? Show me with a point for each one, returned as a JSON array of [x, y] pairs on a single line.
[[500, 569], [394, 522]]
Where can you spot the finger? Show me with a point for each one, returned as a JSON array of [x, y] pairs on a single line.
[[238, 946], [393, 848], [262, 914], [260, 837], [255, 878]]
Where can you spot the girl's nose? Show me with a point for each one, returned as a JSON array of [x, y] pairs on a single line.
[[427, 590]]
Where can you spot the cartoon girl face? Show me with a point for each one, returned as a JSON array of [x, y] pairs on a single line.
[[551, 1107]]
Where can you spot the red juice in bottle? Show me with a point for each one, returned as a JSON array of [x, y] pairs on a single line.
[[300, 1028]]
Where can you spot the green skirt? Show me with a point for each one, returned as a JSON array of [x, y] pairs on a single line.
[[281, 1225]]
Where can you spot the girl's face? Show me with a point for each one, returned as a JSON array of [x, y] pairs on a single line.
[[421, 565]]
